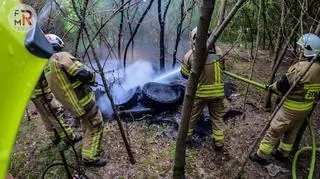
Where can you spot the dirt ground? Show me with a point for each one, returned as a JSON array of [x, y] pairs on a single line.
[[154, 145]]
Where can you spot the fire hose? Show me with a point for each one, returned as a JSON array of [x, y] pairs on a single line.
[[313, 148], [251, 82]]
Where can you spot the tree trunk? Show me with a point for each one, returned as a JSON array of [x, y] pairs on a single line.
[[300, 133], [120, 30], [161, 39], [98, 32], [255, 54], [130, 21], [279, 35], [180, 30], [200, 54], [135, 32], [263, 8], [82, 18], [222, 11], [279, 59], [162, 21], [114, 107], [178, 34], [214, 36], [27, 112], [317, 31], [276, 50]]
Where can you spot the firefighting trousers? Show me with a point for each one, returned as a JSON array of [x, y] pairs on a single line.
[[92, 127], [45, 106], [284, 126], [216, 110]]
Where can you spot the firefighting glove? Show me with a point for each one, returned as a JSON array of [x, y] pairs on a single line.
[[85, 77]]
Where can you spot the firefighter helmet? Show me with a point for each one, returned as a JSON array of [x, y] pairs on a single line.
[[55, 41], [310, 44]]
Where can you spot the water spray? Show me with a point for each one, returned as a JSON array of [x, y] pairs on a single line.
[[167, 75]]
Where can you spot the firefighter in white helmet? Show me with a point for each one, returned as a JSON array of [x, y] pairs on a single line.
[[210, 92], [297, 106], [70, 82]]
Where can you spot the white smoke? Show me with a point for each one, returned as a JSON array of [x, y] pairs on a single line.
[[121, 81], [137, 74]]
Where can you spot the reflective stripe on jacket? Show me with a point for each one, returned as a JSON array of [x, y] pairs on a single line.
[[210, 83], [42, 83], [70, 91], [303, 96]]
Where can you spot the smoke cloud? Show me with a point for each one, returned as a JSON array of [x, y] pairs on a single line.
[[121, 81]]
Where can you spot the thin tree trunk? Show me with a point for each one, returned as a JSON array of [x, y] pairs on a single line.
[[255, 54], [178, 34], [180, 31], [200, 54], [28, 115], [300, 133], [222, 11], [317, 31], [114, 107], [276, 50], [82, 18], [162, 21], [279, 34], [120, 29], [103, 25], [276, 66], [135, 32], [214, 36], [263, 13], [161, 38], [130, 21]]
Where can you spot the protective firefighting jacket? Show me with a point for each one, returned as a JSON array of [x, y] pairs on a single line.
[[71, 81], [303, 96], [41, 86], [210, 83]]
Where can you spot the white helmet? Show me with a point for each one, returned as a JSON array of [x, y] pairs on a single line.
[[310, 44], [55, 41]]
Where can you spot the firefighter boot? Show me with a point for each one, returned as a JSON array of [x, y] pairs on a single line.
[[100, 162], [278, 155], [218, 148], [218, 145], [256, 158]]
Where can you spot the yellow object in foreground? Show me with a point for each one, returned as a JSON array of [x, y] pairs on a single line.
[[19, 71]]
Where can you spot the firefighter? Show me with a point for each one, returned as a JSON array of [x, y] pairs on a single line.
[[210, 92], [51, 111], [296, 107], [70, 82]]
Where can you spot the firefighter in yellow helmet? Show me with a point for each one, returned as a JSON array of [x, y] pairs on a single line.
[[70, 82], [51, 111], [210, 93], [297, 106]]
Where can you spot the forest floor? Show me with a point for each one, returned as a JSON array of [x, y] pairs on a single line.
[[154, 145]]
